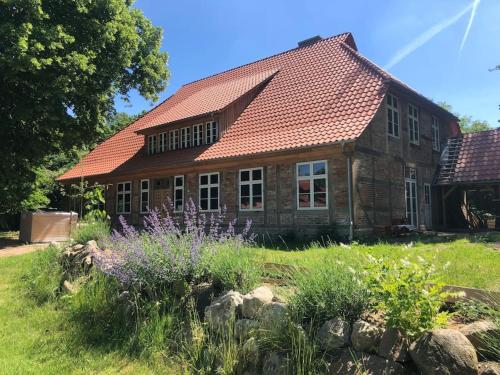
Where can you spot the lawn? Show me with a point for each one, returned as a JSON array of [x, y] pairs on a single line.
[[472, 261], [38, 339]]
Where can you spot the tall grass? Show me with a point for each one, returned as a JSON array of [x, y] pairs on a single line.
[[91, 230]]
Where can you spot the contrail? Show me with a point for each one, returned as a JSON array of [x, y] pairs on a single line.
[[469, 25], [426, 36]]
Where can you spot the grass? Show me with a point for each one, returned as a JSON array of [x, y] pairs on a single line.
[[473, 262], [39, 339]]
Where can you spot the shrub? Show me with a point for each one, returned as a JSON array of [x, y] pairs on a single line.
[[328, 291], [409, 294], [44, 274], [91, 230]]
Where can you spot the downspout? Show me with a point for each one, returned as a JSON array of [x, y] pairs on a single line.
[[350, 196]]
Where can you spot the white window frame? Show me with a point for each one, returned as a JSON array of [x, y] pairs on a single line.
[[186, 137], [174, 139], [163, 142], [124, 192], [427, 188], [197, 135], [251, 182], [436, 144], [208, 186], [413, 124], [152, 144], [142, 190], [391, 110], [413, 183], [211, 132], [176, 188], [311, 179]]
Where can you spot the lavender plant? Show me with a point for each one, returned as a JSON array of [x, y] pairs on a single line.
[[168, 248]]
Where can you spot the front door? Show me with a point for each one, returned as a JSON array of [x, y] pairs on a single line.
[[427, 206], [411, 196]]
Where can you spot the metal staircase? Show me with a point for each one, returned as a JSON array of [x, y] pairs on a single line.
[[448, 162]]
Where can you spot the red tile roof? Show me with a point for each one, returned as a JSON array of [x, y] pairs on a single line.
[[317, 94], [479, 158]]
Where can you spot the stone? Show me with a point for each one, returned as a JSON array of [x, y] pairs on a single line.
[[489, 368], [394, 345], [444, 352], [480, 334], [253, 301], [333, 334], [355, 363], [222, 312], [77, 247], [365, 337], [275, 364], [69, 288], [273, 316], [251, 351], [243, 328], [203, 294]]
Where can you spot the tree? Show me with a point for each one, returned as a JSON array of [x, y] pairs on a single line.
[[467, 123], [62, 63]]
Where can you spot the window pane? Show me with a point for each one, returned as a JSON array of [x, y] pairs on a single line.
[[214, 192], [214, 203], [245, 176], [178, 181], [319, 168], [214, 178], [320, 185], [120, 187], [245, 203], [257, 174], [204, 193], [320, 200], [127, 186], [178, 205], [145, 185], [245, 190], [304, 200], [204, 204], [257, 202], [304, 170], [304, 186], [257, 189], [178, 194], [204, 180]]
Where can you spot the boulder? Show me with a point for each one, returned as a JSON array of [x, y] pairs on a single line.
[[275, 364], [253, 301], [222, 312], [481, 334], [394, 345], [251, 351], [273, 316], [69, 288], [365, 337], [333, 334], [489, 368], [77, 247], [203, 294], [91, 246], [243, 328], [444, 352], [356, 363]]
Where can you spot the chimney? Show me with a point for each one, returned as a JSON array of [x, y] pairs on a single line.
[[310, 41]]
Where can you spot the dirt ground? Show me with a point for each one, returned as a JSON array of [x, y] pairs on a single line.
[[11, 246]]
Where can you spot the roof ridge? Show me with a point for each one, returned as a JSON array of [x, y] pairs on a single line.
[[480, 132], [266, 58]]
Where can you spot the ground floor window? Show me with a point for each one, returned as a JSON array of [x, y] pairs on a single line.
[[178, 193], [123, 197], [411, 195], [144, 196], [312, 185], [209, 191], [251, 189]]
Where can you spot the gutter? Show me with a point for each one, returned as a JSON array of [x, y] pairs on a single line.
[[350, 201]]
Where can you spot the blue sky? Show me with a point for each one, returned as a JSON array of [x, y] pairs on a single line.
[[206, 37]]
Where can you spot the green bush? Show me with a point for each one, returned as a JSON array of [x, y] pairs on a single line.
[[327, 291], [43, 277], [409, 294], [91, 230]]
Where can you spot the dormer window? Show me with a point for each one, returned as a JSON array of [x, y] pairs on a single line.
[[174, 139], [212, 132], [197, 135], [163, 142], [186, 137], [152, 144]]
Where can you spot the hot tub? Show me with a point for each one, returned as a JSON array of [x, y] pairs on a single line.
[[47, 226]]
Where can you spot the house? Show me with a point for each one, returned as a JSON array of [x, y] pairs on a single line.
[[317, 138]]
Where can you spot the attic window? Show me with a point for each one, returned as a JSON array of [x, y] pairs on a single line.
[[186, 137], [392, 116], [435, 134], [413, 126], [174, 139], [152, 144], [212, 132]]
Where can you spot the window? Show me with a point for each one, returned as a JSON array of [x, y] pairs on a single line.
[[178, 193], [413, 124], [411, 195], [197, 134], [435, 134], [152, 144], [392, 116], [186, 137], [123, 197], [212, 132], [144, 196], [209, 191], [312, 185], [427, 194], [174, 139], [251, 189], [163, 142]]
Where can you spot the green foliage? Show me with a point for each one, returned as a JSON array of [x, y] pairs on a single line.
[[43, 276], [91, 230], [409, 294], [62, 67], [467, 123], [328, 291]]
